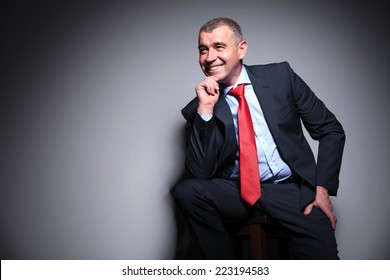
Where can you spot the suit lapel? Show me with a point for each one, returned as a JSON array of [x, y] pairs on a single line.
[[222, 110], [223, 113], [266, 99]]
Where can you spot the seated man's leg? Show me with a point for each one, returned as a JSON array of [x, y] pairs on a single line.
[[312, 236], [205, 206]]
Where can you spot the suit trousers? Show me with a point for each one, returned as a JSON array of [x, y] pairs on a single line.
[[208, 205]]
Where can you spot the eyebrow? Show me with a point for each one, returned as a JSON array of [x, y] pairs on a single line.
[[214, 44]]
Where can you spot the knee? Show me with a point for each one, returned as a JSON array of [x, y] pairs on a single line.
[[188, 192]]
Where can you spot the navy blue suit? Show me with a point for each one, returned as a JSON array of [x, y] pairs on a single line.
[[287, 103]]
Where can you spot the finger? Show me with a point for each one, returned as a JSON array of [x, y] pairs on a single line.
[[331, 216], [308, 209], [212, 87], [334, 224], [333, 220]]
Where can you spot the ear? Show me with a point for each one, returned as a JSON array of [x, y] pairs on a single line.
[[242, 49]]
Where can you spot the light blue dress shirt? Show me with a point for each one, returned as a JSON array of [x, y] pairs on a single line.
[[272, 167]]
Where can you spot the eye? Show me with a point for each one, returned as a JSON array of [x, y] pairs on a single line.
[[202, 50], [220, 47]]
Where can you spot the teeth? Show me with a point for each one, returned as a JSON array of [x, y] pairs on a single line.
[[214, 67]]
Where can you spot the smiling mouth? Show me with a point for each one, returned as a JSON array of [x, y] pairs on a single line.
[[214, 68]]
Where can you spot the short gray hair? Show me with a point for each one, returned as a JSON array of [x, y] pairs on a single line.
[[212, 24]]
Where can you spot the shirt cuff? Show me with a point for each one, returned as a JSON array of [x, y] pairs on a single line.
[[205, 117]]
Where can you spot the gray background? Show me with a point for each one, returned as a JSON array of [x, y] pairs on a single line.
[[91, 131]]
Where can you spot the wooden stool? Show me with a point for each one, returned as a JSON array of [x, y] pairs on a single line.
[[258, 229]]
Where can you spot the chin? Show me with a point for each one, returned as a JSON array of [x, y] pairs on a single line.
[[219, 76]]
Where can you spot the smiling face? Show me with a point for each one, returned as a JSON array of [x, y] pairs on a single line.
[[220, 55]]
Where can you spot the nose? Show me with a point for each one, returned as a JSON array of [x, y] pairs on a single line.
[[211, 55]]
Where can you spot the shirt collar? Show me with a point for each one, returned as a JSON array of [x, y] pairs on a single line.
[[242, 79]]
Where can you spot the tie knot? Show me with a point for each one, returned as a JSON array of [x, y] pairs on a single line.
[[238, 91]]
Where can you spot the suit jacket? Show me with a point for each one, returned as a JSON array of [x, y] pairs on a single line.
[[287, 103]]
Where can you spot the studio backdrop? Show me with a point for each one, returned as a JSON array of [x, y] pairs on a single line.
[[92, 136]]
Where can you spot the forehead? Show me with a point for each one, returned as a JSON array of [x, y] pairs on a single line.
[[219, 34]]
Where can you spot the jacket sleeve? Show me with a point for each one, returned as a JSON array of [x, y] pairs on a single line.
[[201, 153], [322, 126]]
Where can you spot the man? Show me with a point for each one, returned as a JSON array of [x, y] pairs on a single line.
[[295, 189]]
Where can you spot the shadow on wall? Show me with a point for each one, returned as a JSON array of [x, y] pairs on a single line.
[[184, 247]]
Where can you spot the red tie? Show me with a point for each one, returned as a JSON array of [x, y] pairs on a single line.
[[249, 166]]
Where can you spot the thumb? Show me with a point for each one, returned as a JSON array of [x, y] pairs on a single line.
[[308, 209]]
